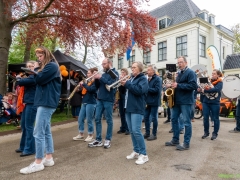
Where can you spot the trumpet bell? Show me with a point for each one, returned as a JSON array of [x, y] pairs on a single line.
[[108, 87]]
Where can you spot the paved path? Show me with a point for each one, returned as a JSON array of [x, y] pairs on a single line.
[[74, 160]]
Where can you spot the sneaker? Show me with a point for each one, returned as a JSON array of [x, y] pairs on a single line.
[[171, 143], [89, 139], [182, 147], [33, 167], [167, 121], [146, 136], [234, 131], [214, 136], [181, 132], [133, 155], [142, 159], [95, 143], [48, 162], [78, 138], [107, 144], [171, 131], [205, 136], [151, 138], [9, 122]]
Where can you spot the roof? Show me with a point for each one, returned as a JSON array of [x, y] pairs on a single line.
[[226, 30], [232, 62], [178, 10]]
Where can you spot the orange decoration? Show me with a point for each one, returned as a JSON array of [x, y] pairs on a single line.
[[62, 67], [64, 73]]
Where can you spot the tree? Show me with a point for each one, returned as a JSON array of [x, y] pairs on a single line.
[[236, 31], [106, 22]]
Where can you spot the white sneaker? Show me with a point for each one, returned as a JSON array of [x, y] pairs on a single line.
[[142, 159], [48, 162], [33, 167], [89, 139], [78, 138], [133, 155], [107, 144]]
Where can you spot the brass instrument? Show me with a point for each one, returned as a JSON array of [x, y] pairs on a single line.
[[117, 83], [73, 92], [170, 91]]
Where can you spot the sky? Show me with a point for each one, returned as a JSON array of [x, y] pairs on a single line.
[[226, 12]]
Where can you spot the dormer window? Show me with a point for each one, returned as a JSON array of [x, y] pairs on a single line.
[[204, 15], [164, 22], [211, 19]]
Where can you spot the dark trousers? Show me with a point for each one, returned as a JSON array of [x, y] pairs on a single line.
[[238, 116], [76, 110], [121, 104], [151, 115]]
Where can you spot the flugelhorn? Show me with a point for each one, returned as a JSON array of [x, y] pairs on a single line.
[[117, 83]]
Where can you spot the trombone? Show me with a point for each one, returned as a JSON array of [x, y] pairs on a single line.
[[116, 84]]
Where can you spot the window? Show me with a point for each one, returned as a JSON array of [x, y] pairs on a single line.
[[204, 15], [202, 46], [163, 23], [120, 61], [212, 19], [132, 58], [162, 51], [182, 46], [147, 56], [161, 72]]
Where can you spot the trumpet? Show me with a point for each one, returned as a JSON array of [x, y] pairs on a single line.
[[117, 83], [90, 78]]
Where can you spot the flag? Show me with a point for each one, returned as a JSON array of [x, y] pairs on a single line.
[[129, 49], [213, 54]]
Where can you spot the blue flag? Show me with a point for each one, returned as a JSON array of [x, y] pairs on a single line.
[[129, 49]]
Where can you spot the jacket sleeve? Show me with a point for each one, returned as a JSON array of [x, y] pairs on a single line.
[[47, 74], [191, 82], [91, 88], [216, 88], [29, 81], [139, 88], [157, 86]]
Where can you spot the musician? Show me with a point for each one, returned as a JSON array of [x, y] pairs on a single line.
[[153, 96], [212, 104], [121, 104], [88, 107], [237, 117], [27, 142], [104, 103], [186, 83], [48, 90], [137, 89]]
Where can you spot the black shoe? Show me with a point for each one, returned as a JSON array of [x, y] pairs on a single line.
[[120, 132], [214, 136], [127, 133], [182, 147], [171, 131], [23, 155], [18, 151], [171, 143], [146, 136], [234, 131], [167, 121], [205, 136], [151, 138]]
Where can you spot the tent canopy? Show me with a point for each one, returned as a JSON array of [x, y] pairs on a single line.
[[68, 61]]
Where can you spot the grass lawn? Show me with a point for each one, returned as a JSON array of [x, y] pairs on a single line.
[[56, 117]]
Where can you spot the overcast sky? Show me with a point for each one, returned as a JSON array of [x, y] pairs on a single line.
[[227, 12]]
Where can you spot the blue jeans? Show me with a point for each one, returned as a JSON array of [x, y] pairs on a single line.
[[27, 142], [134, 122], [214, 109], [87, 111], [238, 116], [180, 122], [108, 107], [151, 115], [186, 111], [76, 110], [42, 131], [124, 126]]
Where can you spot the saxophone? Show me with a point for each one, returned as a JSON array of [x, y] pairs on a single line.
[[170, 92]]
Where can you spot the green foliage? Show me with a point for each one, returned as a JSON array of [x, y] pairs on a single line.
[[236, 31]]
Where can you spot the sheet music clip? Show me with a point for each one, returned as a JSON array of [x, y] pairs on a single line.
[[112, 74], [203, 80], [171, 67]]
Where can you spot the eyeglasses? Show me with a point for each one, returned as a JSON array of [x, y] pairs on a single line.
[[181, 62]]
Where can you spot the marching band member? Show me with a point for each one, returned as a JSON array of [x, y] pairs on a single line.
[[48, 90], [105, 102], [153, 96], [121, 104], [186, 83], [137, 88], [27, 142], [237, 117], [212, 105], [88, 107]]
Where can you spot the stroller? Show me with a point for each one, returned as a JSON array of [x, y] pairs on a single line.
[[5, 116]]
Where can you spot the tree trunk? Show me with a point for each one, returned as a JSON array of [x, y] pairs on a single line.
[[27, 51], [5, 42], [85, 54], [53, 45]]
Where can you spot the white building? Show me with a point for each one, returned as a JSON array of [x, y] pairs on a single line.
[[183, 30]]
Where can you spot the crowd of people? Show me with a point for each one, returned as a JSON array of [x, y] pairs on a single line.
[[138, 94]]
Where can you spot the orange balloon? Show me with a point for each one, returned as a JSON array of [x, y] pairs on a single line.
[[62, 67], [64, 73]]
